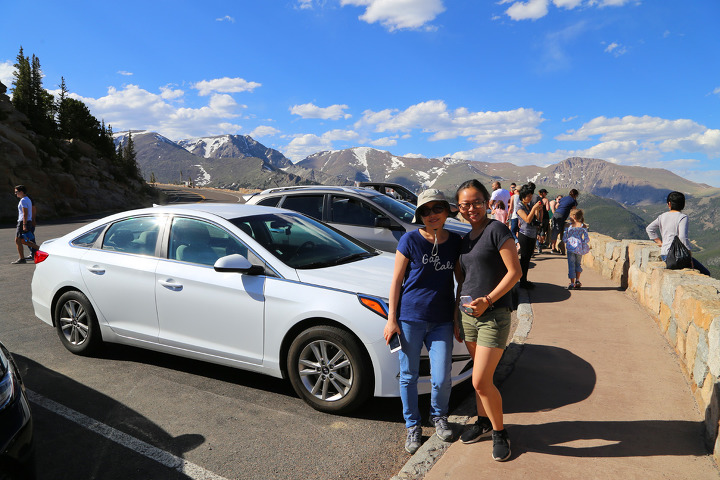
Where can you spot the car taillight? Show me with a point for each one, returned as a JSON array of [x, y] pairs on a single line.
[[40, 256]]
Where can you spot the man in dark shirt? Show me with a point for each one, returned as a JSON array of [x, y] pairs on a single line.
[[562, 212]]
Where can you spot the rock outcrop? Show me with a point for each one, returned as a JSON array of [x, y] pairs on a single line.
[[63, 177]]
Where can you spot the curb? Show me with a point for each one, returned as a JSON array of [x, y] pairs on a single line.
[[430, 452]]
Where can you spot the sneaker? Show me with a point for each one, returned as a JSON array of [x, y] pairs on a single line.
[[442, 430], [501, 445], [571, 286], [477, 430], [578, 285], [414, 437], [19, 261]]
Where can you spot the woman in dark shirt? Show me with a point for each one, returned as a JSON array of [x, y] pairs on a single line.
[[487, 271], [422, 304]]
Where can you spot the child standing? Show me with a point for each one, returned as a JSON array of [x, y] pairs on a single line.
[[499, 212], [577, 243]]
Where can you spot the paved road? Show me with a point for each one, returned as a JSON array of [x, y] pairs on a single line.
[[130, 413]]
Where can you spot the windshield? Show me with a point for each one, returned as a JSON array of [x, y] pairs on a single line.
[[301, 242], [401, 210]]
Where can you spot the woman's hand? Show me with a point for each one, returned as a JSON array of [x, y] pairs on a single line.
[[391, 327], [479, 305], [456, 328]]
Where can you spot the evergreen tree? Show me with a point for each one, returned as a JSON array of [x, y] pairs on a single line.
[[62, 119], [22, 90], [129, 157]]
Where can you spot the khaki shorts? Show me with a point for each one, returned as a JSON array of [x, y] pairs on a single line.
[[489, 330]]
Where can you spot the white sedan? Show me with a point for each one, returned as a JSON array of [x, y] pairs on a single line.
[[252, 287]]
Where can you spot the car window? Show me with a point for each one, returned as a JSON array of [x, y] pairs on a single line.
[[197, 241], [133, 235], [353, 211], [310, 205], [401, 210], [301, 242], [269, 201], [88, 239]]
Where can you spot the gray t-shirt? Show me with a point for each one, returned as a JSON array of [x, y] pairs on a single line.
[[525, 228], [669, 225], [482, 264]]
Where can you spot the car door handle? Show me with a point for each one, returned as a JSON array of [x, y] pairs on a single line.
[[97, 270], [170, 285]]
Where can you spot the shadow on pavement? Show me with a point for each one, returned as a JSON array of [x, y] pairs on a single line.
[[549, 378], [65, 449], [603, 439]]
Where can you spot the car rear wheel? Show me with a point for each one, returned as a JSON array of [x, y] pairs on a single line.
[[329, 370], [76, 323]]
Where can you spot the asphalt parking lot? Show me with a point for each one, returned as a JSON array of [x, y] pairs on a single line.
[[131, 413]]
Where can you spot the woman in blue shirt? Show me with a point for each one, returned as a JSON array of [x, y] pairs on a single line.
[[422, 303]]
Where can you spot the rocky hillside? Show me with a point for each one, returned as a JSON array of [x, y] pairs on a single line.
[[64, 178]]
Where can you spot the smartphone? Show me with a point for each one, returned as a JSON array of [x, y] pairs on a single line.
[[465, 300], [395, 343]]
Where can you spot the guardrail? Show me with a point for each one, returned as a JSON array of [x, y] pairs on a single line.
[[686, 307]]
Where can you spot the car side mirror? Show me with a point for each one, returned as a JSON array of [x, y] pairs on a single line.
[[237, 263], [383, 222]]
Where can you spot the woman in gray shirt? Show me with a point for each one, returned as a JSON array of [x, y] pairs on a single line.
[[670, 225]]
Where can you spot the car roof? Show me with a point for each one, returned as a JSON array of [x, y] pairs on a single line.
[[369, 192], [224, 210]]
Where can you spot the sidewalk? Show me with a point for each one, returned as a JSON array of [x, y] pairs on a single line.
[[596, 393]]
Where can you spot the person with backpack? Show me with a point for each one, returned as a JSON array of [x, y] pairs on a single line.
[[671, 224], [577, 244]]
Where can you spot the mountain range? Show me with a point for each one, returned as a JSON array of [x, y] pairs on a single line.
[[233, 161], [619, 200]]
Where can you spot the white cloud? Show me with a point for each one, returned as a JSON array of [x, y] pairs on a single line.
[[125, 73], [535, 9], [398, 14], [649, 133], [168, 93], [385, 141], [305, 4], [308, 110], [530, 10], [6, 73], [519, 125], [306, 144], [616, 49], [136, 108], [226, 18], [553, 56], [225, 85], [715, 92], [264, 131]]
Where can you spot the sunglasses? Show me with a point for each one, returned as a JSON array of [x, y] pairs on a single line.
[[425, 211]]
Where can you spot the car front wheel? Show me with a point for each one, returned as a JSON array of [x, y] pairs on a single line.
[[329, 370], [77, 324]]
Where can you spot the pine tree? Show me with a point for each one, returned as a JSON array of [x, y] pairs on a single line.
[[22, 93], [62, 115], [129, 157]]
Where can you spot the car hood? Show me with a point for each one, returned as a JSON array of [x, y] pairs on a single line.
[[370, 276]]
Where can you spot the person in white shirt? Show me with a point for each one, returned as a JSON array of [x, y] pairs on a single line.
[[499, 194]]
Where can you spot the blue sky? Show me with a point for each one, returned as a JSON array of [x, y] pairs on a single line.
[[631, 82]]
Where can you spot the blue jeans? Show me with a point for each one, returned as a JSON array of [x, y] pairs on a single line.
[[438, 339], [574, 264], [514, 226]]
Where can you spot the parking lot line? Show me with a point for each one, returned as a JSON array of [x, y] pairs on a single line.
[[143, 448]]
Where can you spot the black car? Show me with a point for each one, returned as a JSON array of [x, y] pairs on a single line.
[[16, 426]]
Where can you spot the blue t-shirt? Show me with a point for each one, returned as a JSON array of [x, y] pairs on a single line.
[[428, 293], [562, 210]]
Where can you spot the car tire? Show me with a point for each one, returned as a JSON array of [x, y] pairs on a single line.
[[76, 323], [329, 370]]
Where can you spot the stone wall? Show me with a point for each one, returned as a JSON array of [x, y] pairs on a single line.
[[686, 307]]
